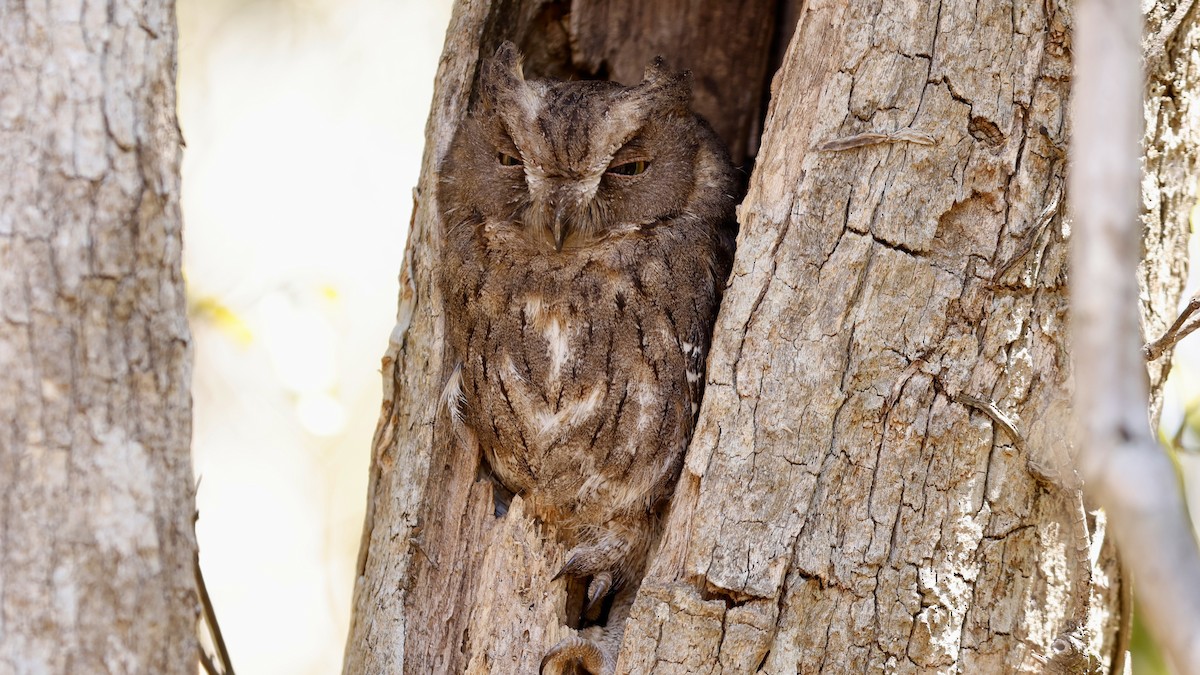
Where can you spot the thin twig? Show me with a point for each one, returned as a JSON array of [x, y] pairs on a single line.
[[998, 416], [1177, 437], [907, 374], [1175, 333], [210, 617], [876, 138], [421, 549], [1035, 235]]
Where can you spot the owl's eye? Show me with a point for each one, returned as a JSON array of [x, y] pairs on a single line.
[[630, 169], [509, 160]]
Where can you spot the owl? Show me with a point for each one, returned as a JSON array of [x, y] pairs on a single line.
[[587, 239]]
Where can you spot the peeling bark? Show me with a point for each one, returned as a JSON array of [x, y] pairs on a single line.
[[855, 497], [96, 500]]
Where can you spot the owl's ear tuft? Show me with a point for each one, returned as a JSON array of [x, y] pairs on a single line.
[[664, 87], [656, 70], [501, 76], [508, 60]]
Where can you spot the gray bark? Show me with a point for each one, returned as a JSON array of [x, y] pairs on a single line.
[[891, 361], [96, 502]]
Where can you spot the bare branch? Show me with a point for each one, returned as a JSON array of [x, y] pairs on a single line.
[[1175, 333], [1123, 468]]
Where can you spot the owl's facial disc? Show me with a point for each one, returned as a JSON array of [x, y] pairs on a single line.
[[572, 164], [562, 208]]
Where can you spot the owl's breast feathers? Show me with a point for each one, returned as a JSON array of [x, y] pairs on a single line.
[[581, 372]]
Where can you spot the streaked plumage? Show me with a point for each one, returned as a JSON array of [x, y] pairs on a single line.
[[587, 233]]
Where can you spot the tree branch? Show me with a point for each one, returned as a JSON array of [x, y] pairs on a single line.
[[1124, 469], [210, 618], [1175, 333]]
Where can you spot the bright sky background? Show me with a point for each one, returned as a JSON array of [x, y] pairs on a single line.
[[304, 122]]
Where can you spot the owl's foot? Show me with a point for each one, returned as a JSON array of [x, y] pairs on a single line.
[[580, 651], [598, 562], [597, 588]]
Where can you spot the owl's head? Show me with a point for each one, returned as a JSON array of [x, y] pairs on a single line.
[[571, 163]]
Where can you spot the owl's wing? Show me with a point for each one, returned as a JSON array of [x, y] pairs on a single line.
[[696, 333], [461, 275], [695, 350]]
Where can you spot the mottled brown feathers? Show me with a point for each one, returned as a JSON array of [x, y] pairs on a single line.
[[580, 301]]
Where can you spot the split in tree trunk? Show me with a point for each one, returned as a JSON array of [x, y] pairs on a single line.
[[880, 479]]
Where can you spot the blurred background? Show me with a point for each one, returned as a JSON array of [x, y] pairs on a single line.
[[304, 122], [1179, 432]]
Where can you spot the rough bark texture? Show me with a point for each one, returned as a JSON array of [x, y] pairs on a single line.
[[887, 521], [1169, 189], [725, 45], [96, 500], [443, 585], [1172, 149], [851, 500]]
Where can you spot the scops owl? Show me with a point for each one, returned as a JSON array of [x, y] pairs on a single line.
[[587, 239]]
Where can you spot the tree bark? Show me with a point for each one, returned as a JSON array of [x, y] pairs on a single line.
[[880, 479], [96, 542]]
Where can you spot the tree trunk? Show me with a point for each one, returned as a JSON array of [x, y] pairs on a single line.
[[880, 479], [96, 543]]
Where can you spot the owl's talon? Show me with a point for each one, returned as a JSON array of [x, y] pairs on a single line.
[[580, 564], [567, 568], [601, 563], [597, 589], [588, 561], [577, 650]]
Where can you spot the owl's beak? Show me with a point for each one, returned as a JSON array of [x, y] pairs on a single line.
[[561, 230]]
